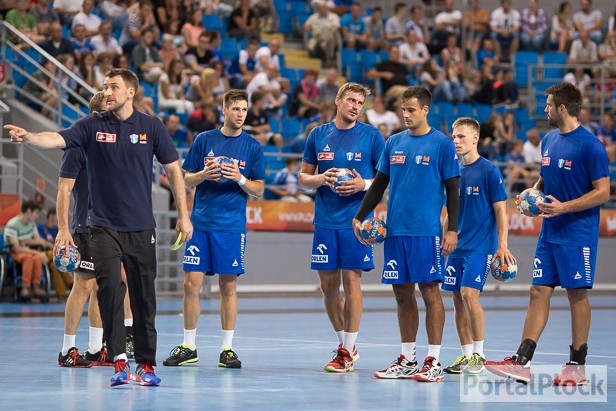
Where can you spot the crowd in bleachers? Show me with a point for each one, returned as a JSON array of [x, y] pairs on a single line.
[[188, 53]]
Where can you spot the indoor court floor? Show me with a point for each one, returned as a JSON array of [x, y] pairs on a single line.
[[283, 344]]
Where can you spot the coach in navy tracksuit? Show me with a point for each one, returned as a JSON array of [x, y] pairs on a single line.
[[120, 145]]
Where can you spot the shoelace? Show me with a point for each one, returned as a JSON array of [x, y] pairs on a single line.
[[147, 368], [459, 360], [119, 365]]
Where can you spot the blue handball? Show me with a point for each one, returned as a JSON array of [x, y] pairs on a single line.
[[222, 160], [373, 230], [344, 174], [69, 262], [528, 202], [502, 271]]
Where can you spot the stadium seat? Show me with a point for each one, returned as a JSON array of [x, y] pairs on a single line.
[[465, 110], [522, 60], [348, 57], [211, 22], [229, 48], [484, 111], [355, 73], [445, 108], [368, 59], [449, 120], [281, 6], [554, 73], [291, 127], [285, 23], [434, 120]]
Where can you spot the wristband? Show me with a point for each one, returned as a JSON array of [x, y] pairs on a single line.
[[242, 181], [368, 183]]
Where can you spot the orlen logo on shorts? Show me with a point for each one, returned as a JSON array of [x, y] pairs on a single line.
[[191, 260], [322, 257], [87, 265], [450, 279], [393, 273]]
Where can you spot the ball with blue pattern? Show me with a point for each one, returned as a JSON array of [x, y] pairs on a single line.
[[373, 230], [503, 272], [67, 262], [528, 202], [222, 160], [344, 174]]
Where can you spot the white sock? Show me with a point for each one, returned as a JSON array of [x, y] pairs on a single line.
[[68, 343], [120, 357], [128, 322], [227, 339], [434, 351], [408, 350], [349, 342], [96, 340], [478, 347], [340, 336], [467, 349], [189, 338]]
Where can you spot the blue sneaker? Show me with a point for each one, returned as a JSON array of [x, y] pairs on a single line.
[[122, 375], [144, 375]]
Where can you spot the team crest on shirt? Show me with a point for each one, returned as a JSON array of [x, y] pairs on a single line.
[[350, 156], [133, 138], [566, 164], [472, 190], [423, 160], [105, 137]]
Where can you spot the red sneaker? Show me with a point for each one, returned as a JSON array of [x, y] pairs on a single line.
[[509, 367], [430, 372], [571, 374], [342, 362], [356, 356]]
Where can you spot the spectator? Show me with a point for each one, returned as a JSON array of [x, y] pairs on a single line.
[[589, 21], [115, 12], [171, 86], [452, 53], [304, 102], [80, 41], [221, 83], [67, 9], [49, 229], [607, 53], [201, 90], [491, 135], [142, 18], [142, 103], [477, 24], [267, 82], [168, 51], [203, 119], [23, 21], [216, 7], [395, 26], [515, 171], [579, 78], [88, 19], [418, 24], [19, 233], [531, 149], [197, 58], [446, 22], [442, 83], [104, 63], [145, 58], [65, 81], [328, 87], [120, 61], [354, 29], [505, 26], [534, 26], [104, 42], [243, 22], [285, 183], [563, 29], [586, 122], [42, 88], [486, 54], [193, 28], [611, 23], [607, 134], [87, 72], [180, 136], [322, 29], [267, 56], [244, 66], [267, 18], [378, 115], [392, 73], [44, 16], [583, 50], [375, 30], [413, 53], [257, 122]]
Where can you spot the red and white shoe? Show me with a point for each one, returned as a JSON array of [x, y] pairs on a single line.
[[509, 367], [342, 362], [430, 372], [571, 374], [356, 356]]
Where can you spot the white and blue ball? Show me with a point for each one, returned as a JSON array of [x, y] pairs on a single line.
[[529, 201], [344, 174], [222, 160], [373, 230], [67, 262], [502, 271]]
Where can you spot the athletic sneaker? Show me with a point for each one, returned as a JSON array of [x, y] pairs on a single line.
[[130, 343], [181, 355], [475, 364], [400, 368], [73, 359], [571, 374], [122, 373], [509, 367], [458, 365], [356, 356], [144, 375], [342, 362], [430, 372], [228, 359], [99, 359]]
